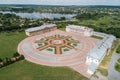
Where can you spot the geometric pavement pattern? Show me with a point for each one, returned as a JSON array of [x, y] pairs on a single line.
[[75, 60], [57, 41]]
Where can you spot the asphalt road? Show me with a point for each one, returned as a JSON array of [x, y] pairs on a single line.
[[112, 73]]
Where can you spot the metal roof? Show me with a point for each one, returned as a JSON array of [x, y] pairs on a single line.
[[40, 27], [101, 47], [99, 34], [78, 27], [92, 67]]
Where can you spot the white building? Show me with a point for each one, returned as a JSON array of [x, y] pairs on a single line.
[[98, 52], [40, 29], [80, 29]]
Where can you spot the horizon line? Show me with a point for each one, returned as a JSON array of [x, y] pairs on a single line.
[[59, 5]]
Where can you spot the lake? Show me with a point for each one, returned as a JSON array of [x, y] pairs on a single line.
[[37, 15]]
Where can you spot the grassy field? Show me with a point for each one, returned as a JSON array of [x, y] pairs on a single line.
[[118, 49], [9, 43], [24, 70]]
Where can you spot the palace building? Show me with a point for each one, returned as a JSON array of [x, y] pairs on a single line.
[[79, 50], [98, 52], [80, 29], [40, 29]]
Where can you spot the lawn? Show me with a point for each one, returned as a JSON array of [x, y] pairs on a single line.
[[9, 43], [24, 70], [117, 65], [97, 37], [118, 49]]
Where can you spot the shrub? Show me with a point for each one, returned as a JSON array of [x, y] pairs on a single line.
[[118, 49], [49, 49], [8, 61], [66, 49], [74, 44]]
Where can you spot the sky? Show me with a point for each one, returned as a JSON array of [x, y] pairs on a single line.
[[62, 2]]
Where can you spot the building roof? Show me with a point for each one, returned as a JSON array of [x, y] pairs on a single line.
[[92, 67], [101, 47], [40, 27], [83, 28], [99, 34]]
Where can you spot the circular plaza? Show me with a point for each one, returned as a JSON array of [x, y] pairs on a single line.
[[56, 44], [56, 48]]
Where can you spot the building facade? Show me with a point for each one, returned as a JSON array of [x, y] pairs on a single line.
[[80, 29], [96, 55], [40, 29]]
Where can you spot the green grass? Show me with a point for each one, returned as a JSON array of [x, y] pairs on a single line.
[[9, 43], [118, 60], [75, 44], [24, 70], [66, 49], [63, 28], [40, 44], [61, 36], [103, 71], [97, 37], [49, 49], [117, 65], [118, 49]]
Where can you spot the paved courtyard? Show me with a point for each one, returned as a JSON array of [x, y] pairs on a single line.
[[75, 58], [58, 44]]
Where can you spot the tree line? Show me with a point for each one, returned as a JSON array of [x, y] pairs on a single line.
[[11, 22], [7, 61]]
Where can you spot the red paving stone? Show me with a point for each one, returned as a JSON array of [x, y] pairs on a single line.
[[75, 60], [58, 50], [57, 36], [50, 43], [41, 48]]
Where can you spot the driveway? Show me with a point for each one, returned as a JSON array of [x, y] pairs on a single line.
[[112, 73]]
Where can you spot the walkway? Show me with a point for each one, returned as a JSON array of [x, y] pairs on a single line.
[[112, 73]]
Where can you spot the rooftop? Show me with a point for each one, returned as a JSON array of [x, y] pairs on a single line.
[[40, 27], [92, 67], [79, 27], [101, 47]]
